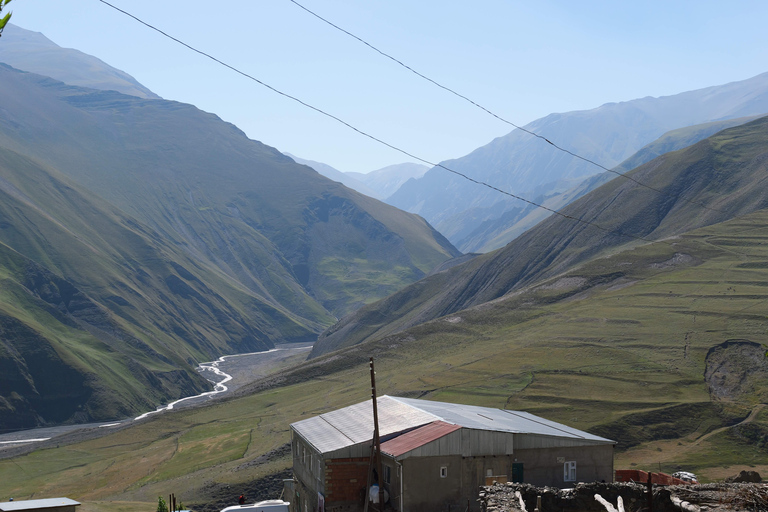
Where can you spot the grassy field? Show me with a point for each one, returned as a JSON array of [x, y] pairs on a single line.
[[619, 347]]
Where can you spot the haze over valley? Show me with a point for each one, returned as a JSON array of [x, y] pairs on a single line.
[[624, 295]]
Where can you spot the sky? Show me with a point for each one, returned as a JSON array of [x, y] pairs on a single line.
[[521, 60]]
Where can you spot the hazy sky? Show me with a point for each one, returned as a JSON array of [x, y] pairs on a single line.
[[522, 60]]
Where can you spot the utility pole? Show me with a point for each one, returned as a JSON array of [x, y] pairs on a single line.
[[376, 440]]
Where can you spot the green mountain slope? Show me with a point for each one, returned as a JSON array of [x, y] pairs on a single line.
[[279, 228], [497, 233], [661, 347], [528, 166], [144, 236], [725, 173], [91, 293]]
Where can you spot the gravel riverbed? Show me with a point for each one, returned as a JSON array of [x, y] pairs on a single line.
[[242, 368]]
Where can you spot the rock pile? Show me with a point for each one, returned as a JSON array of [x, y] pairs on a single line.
[[745, 476], [725, 497]]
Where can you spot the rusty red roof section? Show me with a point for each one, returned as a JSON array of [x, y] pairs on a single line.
[[418, 437]]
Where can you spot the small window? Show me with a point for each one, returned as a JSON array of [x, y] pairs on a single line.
[[387, 475], [569, 471], [488, 472], [443, 471]]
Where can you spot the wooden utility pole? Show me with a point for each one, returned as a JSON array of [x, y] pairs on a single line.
[[376, 440], [650, 492]]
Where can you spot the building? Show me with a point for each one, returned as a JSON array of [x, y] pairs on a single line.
[[51, 504], [435, 454]]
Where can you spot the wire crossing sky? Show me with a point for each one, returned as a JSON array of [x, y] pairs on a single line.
[[519, 60], [448, 89], [376, 139]]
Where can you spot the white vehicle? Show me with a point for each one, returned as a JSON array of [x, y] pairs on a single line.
[[262, 506]]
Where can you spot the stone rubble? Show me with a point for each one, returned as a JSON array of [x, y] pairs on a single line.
[[721, 497]]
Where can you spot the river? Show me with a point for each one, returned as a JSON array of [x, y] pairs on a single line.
[[228, 373]]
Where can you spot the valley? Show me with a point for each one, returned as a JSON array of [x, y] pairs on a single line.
[[152, 253], [228, 374], [619, 347]]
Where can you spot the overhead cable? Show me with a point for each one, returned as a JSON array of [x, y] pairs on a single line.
[[374, 138], [521, 128]]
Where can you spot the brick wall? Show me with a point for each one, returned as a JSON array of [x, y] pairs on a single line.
[[635, 475], [345, 479]]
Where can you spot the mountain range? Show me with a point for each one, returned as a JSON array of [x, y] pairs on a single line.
[[529, 166], [379, 184], [141, 236], [32, 51], [716, 179], [495, 233]]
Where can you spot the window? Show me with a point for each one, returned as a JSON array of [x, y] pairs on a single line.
[[569, 471], [488, 472], [443, 471], [387, 475]]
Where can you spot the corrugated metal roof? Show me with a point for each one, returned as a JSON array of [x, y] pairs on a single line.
[[8, 506], [416, 438], [354, 424], [500, 420]]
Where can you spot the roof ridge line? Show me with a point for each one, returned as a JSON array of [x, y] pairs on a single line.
[[399, 400], [335, 428], [516, 413]]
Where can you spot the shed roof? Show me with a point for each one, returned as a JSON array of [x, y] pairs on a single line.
[[416, 438], [499, 420], [50, 503], [353, 425]]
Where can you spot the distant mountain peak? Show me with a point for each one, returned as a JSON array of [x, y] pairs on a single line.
[[526, 165], [34, 52]]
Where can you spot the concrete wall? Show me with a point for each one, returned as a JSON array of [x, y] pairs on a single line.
[[545, 466], [342, 481], [309, 472], [424, 487], [427, 487]]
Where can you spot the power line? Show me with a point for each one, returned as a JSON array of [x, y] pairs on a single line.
[[455, 93], [374, 138]]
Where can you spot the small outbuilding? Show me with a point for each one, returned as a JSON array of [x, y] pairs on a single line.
[[435, 455], [50, 504]]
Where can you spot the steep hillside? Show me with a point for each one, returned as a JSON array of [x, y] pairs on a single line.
[[279, 228], [141, 236], [32, 51], [499, 232], [530, 167], [714, 180], [101, 318], [661, 347]]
